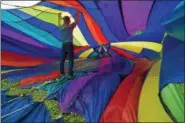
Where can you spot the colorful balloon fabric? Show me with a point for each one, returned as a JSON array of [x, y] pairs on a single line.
[[129, 62]]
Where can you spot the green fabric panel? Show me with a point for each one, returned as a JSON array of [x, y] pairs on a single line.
[[139, 32], [40, 14], [173, 97], [93, 55]]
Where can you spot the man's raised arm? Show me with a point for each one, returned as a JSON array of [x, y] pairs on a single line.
[[59, 19], [77, 17]]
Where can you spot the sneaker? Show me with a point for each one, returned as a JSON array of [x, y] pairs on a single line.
[[70, 77], [63, 77]]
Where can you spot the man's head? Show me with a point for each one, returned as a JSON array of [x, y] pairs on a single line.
[[67, 20]]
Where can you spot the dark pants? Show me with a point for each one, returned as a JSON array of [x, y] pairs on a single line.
[[67, 51]]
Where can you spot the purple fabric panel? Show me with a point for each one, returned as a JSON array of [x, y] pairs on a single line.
[[112, 14], [91, 101], [105, 65], [72, 91], [136, 14], [20, 37]]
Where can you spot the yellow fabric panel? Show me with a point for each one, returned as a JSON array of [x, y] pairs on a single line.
[[150, 108], [138, 46], [50, 15], [86, 53], [129, 47]]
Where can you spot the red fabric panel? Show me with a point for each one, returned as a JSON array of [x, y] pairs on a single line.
[[19, 60], [40, 78], [77, 49], [91, 23], [123, 106], [122, 53]]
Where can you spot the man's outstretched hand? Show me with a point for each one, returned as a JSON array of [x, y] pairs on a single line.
[[59, 15]]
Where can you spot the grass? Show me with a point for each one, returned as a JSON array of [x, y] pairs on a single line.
[[53, 108], [40, 96], [19, 91], [73, 118], [7, 85]]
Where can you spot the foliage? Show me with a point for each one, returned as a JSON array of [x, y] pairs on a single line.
[[7, 85]]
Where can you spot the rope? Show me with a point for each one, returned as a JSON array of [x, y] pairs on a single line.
[[11, 100], [16, 110]]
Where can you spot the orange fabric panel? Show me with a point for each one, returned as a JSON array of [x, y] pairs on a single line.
[[91, 23], [20, 60], [123, 106]]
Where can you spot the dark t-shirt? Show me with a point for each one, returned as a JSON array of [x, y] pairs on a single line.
[[67, 32]]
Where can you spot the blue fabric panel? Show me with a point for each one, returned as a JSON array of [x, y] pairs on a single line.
[[13, 111], [93, 98], [18, 75], [53, 88], [27, 49], [174, 23], [89, 4], [112, 14], [9, 68], [39, 114], [98, 17], [159, 11], [148, 36], [20, 14], [12, 106], [121, 65], [61, 120], [172, 67], [177, 13], [149, 54], [4, 25], [169, 44], [5, 98]]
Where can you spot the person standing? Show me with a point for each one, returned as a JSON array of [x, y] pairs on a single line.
[[66, 31]]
